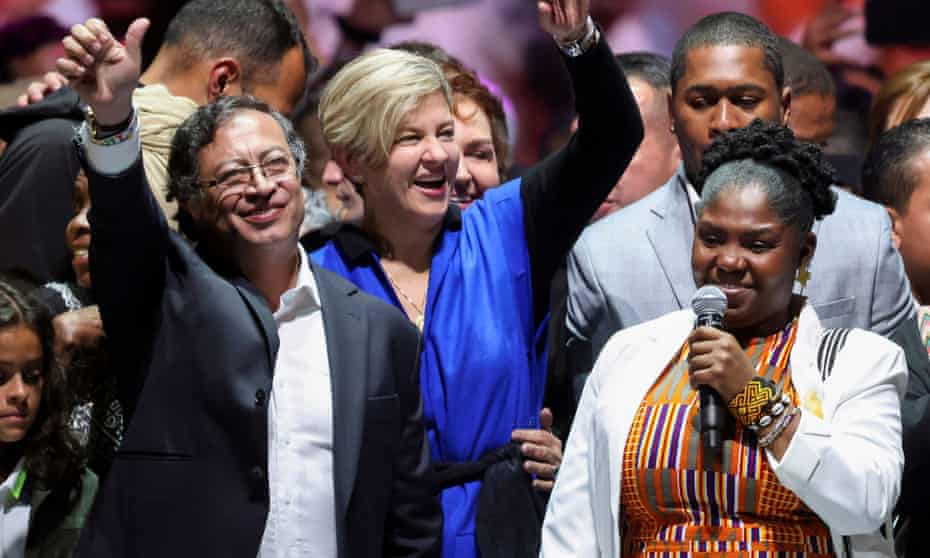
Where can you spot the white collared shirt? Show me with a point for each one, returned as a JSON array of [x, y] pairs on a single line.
[[301, 519], [14, 521]]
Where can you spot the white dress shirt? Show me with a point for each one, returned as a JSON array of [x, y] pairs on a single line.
[[14, 521], [302, 513], [302, 518]]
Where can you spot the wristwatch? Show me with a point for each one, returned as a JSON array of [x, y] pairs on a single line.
[[574, 49]]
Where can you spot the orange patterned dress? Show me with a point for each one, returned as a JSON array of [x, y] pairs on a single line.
[[676, 505]]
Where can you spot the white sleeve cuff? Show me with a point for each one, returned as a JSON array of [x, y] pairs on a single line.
[[115, 159], [802, 458]]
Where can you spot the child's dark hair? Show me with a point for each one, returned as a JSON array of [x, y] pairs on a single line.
[[50, 450], [792, 173]]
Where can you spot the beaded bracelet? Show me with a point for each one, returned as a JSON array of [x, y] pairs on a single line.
[[780, 426], [752, 406], [116, 139], [131, 127], [773, 410]]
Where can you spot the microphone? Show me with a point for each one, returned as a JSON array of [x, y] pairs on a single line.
[[710, 304]]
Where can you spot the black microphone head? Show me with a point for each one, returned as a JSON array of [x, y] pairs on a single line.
[[709, 300]]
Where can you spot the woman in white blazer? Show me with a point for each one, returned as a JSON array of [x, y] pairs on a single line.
[[811, 462]]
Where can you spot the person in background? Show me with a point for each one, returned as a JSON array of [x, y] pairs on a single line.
[[813, 114], [481, 135], [476, 282], [29, 47], [47, 491], [658, 155], [655, 161], [330, 198], [79, 343], [904, 96], [37, 173], [897, 175], [206, 55], [325, 178], [810, 464], [813, 94], [727, 71]]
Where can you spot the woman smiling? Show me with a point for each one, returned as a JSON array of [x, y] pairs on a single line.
[[475, 282], [811, 463]]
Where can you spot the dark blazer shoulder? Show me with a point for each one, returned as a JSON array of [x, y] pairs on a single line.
[[332, 284]]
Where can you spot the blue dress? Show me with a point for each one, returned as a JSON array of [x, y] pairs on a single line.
[[481, 376], [482, 369]]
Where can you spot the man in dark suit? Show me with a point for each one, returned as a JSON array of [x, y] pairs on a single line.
[[274, 408], [253, 46]]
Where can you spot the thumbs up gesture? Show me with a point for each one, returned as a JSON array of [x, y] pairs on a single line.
[[103, 71]]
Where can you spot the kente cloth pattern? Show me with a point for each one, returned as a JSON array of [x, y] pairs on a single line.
[[676, 504]]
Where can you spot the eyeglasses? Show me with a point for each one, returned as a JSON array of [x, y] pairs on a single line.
[[275, 168]]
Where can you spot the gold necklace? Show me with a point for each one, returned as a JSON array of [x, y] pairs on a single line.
[[420, 313]]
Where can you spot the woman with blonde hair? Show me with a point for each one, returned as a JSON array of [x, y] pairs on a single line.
[[476, 282], [904, 96], [481, 130]]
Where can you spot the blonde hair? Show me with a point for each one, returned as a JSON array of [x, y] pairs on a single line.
[[365, 102], [901, 98]]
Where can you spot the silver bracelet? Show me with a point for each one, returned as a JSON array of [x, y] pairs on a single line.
[[574, 49], [780, 426]]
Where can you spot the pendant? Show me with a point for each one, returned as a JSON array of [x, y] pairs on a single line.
[[419, 322]]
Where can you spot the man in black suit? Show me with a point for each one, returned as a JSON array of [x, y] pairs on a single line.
[[251, 46], [274, 408]]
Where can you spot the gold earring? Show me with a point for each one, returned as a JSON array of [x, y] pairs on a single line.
[[804, 275]]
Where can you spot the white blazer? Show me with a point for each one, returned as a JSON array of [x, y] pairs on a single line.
[[845, 466]]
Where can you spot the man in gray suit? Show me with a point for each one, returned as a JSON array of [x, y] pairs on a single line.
[[636, 264]]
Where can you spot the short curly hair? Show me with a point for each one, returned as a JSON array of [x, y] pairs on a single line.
[[199, 130], [51, 452], [888, 175], [793, 173]]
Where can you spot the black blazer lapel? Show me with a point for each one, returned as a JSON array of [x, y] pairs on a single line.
[[262, 314], [346, 328]]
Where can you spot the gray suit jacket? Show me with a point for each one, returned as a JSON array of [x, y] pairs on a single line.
[[635, 265]]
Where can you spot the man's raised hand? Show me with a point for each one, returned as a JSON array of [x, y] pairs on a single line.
[[564, 19], [103, 71]]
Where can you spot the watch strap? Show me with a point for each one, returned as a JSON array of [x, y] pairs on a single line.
[[574, 49]]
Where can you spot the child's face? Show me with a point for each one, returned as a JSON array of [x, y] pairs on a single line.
[[21, 381], [912, 231]]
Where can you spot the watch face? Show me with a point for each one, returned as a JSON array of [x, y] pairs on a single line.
[[574, 50]]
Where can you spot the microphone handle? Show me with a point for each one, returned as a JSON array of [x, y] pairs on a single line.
[[713, 411], [712, 418]]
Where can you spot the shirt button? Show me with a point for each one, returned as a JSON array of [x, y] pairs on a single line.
[[260, 398]]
